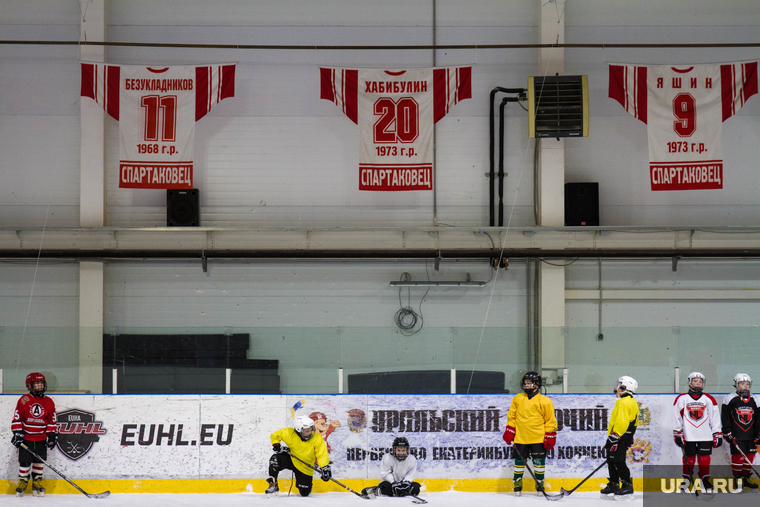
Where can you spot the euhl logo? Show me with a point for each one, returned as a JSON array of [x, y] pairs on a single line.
[[77, 431]]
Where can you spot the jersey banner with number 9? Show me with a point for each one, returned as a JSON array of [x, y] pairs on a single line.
[[396, 111], [684, 108], [157, 109]]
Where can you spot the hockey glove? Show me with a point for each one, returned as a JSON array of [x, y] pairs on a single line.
[[509, 435], [717, 439], [549, 440], [678, 438], [276, 448], [52, 439], [18, 437], [401, 488], [612, 442], [326, 473], [728, 437], [757, 440]]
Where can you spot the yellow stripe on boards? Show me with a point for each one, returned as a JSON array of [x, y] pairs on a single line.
[[204, 486]]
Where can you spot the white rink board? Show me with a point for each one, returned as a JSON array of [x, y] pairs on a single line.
[[227, 436]]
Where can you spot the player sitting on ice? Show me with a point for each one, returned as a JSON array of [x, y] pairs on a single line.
[[623, 422], [305, 444], [697, 429], [397, 471], [740, 417], [532, 426], [34, 425]]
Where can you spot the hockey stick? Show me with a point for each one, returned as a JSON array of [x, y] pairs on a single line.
[[747, 459], [548, 497], [564, 492], [418, 499], [88, 495], [317, 469]]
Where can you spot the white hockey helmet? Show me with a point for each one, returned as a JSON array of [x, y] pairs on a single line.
[[301, 423], [628, 384], [742, 377], [692, 376]]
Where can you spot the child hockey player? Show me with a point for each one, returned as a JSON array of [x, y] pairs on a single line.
[[697, 429], [397, 471], [622, 426], [34, 425], [306, 445], [741, 429], [532, 426]]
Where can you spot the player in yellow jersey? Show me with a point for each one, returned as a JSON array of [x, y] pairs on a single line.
[[623, 422], [532, 426]]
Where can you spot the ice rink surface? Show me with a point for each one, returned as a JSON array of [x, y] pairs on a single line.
[[440, 499]]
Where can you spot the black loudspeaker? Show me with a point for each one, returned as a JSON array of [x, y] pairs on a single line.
[[182, 209], [582, 204]]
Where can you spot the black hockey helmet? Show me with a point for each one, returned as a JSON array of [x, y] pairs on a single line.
[[398, 443], [534, 378]]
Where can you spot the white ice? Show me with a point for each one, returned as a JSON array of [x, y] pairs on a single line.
[[332, 499]]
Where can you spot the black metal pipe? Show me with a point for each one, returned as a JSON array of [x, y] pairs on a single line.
[[491, 174]]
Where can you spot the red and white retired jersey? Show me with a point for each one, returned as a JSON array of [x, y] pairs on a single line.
[[684, 108], [157, 109], [396, 111], [34, 416], [697, 416]]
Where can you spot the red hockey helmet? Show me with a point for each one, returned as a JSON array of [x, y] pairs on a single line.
[[36, 377]]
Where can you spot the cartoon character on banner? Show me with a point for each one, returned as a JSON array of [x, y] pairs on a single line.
[[357, 423], [324, 427]]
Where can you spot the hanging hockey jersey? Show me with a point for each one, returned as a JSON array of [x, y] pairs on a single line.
[[740, 416], [684, 108], [157, 109], [396, 111], [697, 416]]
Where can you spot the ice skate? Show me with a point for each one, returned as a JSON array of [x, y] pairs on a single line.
[[686, 485], [609, 490], [372, 492], [22, 484], [540, 488], [518, 487], [37, 489], [748, 484], [273, 489], [707, 485], [625, 492]]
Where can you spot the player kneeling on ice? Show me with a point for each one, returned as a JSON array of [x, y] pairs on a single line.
[[397, 471], [304, 444], [740, 417], [34, 425], [532, 427], [697, 429], [622, 426]]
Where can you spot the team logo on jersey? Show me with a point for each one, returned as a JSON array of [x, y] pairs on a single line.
[[696, 413], [37, 410], [77, 432], [745, 414]]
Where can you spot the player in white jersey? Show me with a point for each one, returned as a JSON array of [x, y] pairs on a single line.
[[697, 429], [397, 471]]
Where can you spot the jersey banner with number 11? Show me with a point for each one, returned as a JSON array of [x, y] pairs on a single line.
[[157, 109], [684, 108], [395, 111]]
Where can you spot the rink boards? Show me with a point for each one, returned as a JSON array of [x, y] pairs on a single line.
[[220, 443]]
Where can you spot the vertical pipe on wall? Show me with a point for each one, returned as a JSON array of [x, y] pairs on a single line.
[[564, 380], [114, 377], [676, 379], [1, 381], [228, 380], [435, 147], [453, 381], [340, 380]]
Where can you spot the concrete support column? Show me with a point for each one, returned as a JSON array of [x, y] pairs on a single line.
[[92, 205], [551, 205]]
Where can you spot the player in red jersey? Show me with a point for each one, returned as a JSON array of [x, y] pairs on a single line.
[[34, 425]]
